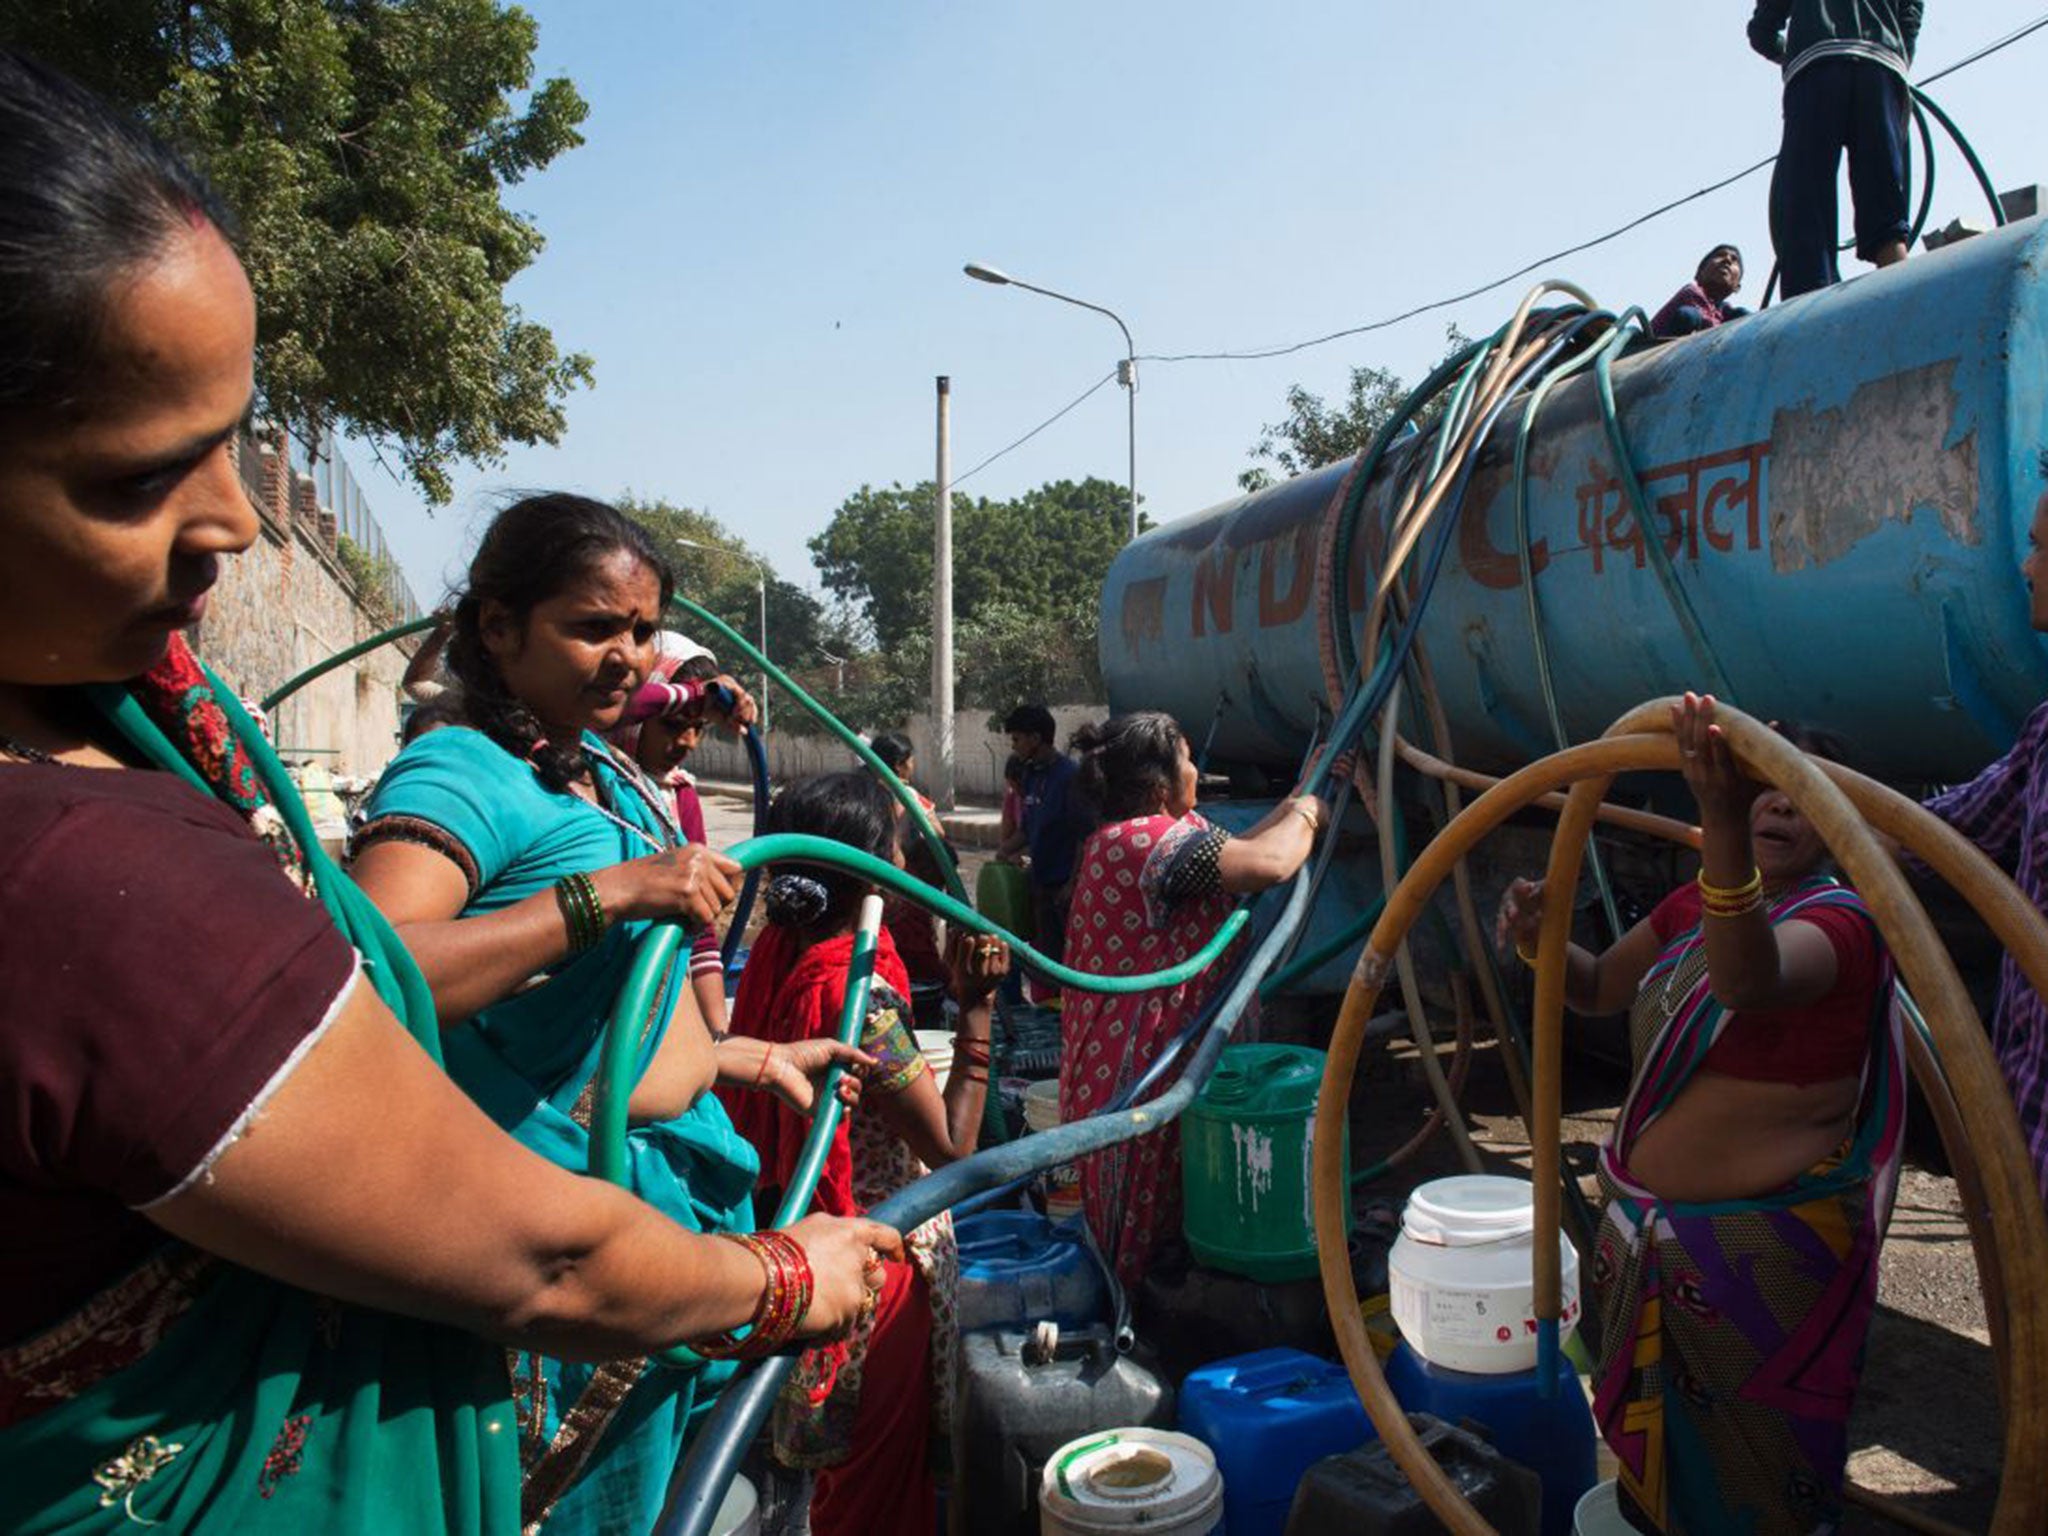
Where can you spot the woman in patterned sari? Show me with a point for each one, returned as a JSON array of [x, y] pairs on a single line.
[[1151, 887], [260, 1261], [523, 858], [1750, 1174]]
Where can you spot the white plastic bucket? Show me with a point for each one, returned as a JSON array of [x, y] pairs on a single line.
[[1598, 1513], [1063, 1183], [739, 1513], [1154, 1480], [936, 1046], [1461, 1275]]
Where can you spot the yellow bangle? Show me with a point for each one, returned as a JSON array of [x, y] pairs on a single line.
[[1733, 900], [1526, 956], [1726, 893], [1314, 817]]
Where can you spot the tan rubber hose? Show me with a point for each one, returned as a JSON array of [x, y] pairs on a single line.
[[2017, 1223], [2017, 1226], [1404, 963]]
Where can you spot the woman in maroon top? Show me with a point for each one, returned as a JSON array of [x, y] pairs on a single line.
[[1750, 1173], [252, 1239]]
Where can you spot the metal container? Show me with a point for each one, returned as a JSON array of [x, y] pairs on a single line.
[[1022, 1397], [1844, 483]]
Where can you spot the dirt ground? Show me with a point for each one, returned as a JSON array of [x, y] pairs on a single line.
[[1927, 1429]]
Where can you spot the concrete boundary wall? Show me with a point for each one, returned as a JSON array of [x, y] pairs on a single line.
[[978, 752], [288, 602]]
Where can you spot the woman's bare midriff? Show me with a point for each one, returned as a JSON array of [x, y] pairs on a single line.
[[682, 1069], [1732, 1138]]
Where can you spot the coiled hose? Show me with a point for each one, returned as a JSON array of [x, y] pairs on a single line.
[[2016, 1228]]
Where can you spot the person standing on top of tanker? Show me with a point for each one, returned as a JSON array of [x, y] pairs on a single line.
[[1055, 822], [1703, 303], [2004, 811], [1845, 67]]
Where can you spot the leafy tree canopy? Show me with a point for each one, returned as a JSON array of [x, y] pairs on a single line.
[[1036, 555], [1315, 432], [718, 569], [364, 145]]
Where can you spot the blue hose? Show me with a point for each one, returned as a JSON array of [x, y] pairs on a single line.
[[714, 1456]]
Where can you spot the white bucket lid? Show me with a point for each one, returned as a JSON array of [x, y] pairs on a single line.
[[1130, 1477], [935, 1045], [739, 1512], [1470, 1210]]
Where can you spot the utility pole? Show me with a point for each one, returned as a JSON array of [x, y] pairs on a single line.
[[942, 605]]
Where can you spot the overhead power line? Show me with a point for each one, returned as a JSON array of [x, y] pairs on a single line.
[[1472, 293], [1543, 261]]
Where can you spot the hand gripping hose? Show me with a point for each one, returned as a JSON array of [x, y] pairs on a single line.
[[2016, 1226], [716, 1451]]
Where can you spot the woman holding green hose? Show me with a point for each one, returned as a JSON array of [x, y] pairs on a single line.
[[261, 1259], [523, 858], [1151, 886]]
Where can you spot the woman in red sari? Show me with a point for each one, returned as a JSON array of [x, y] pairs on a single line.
[[859, 1412], [1151, 886]]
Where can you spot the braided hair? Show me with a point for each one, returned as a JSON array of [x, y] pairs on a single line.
[[536, 549]]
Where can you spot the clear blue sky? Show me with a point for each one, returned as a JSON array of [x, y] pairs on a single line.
[[761, 241]]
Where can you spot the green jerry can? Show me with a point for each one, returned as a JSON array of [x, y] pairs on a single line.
[[1247, 1143], [1002, 894]]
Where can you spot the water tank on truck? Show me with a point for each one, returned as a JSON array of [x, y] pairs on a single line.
[[1843, 484]]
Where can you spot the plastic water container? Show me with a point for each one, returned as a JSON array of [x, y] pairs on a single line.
[[1268, 1417], [1246, 1144], [1063, 1183], [1599, 1513], [1551, 1436], [739, 1512], [1149, 1480], [936, 1046], [1462, 1274], [1365, 1493], [1002, 893], [1022, 1396], [1017, 1268], [1198, 1315]]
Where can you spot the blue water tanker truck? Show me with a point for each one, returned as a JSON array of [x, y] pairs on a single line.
[[1843, 484]]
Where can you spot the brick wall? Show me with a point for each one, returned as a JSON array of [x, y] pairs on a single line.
[[287, 603]]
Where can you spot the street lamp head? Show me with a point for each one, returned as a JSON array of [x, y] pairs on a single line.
[[985, 274]]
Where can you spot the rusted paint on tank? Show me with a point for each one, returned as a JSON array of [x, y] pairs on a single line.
[[1144, 615], [1839, 475]]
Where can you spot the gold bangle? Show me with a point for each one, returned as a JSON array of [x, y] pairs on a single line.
[[1314, 818], [1526, 956], [1722, 895]]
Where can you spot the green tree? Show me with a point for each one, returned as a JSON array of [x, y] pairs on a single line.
[[365, 146], [723, 576], [1315, 432], [1036, 554]]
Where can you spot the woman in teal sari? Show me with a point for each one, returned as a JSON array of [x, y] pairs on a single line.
[[260, 1261], [523, 859]]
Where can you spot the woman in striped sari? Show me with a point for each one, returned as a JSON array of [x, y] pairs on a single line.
[[1750, 1174]]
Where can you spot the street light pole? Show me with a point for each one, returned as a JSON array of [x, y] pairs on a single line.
[[1126, 370]]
